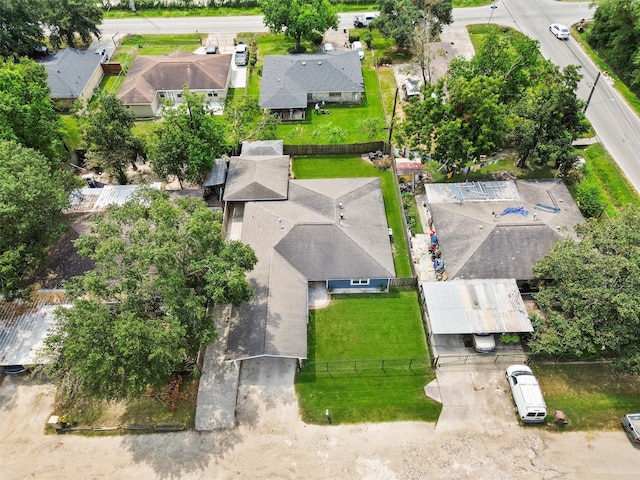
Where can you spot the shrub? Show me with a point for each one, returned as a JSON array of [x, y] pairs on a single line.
[[367, 38], [316, 38], [354, 37], [590, 199], [385, 61]]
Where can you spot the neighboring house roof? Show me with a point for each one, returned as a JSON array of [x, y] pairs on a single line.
[[288, 79], [478, 242], [257, 178], [24, 325], [93, 200], [152, 73], [218, 173], [475, 306], [69, 71], [300, 240], [262, 147]]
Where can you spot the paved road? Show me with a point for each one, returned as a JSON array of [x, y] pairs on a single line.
[[252, 23]]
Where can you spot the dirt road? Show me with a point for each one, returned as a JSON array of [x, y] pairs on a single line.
[[271, 443]]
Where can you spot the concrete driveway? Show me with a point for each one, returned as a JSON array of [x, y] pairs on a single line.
[[473, 398]]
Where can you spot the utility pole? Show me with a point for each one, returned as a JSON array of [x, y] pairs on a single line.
[[393, 115], [591, 93]]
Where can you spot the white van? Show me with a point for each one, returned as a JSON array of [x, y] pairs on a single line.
[[357, 47], [526, 394]]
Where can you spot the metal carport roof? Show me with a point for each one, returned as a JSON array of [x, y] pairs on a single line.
[[475, 306]]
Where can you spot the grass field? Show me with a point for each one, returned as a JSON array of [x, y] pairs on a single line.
[[593, 397], [344, 124], [374, 326], [603, 170]]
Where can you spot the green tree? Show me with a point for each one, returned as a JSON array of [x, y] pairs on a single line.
[[548, 118], [247, 121], [69, 19], [462, 124], [300, 19], [400, 19], [160, 266], [20, 29], [615, 34], [106, 130], [511, 57], [27, 114], [592, 304], [187, 141], [23, 24], [33, 194]]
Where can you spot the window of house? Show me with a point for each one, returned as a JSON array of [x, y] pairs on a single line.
[[360, 281], [162, 95], [335, 94], [179, 95]]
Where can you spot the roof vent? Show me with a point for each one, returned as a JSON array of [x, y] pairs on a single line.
[[304, 63], [319, 62]]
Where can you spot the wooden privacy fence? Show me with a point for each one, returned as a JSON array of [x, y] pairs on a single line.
[[348, 149], [337, 366], [403, 282]]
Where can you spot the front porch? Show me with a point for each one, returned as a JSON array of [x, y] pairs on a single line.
[[291, 114]]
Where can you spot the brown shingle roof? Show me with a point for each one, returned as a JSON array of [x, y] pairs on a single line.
[[152, 73]]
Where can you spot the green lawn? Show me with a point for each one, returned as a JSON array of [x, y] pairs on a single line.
[[346, 167], [593, 397], [344, 124], [367, 327], [601, 168]]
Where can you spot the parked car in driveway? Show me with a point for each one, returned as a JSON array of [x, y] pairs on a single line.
[[526, 394], [327, 47], [357, 47], [242, 54], [15, 370], [631, 424], [484, 342], [211, 49], [560, 31]]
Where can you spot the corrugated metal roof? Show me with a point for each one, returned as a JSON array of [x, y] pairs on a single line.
[[471, 191], [218, 173], [24, 326], [86, 200], [475, 306]]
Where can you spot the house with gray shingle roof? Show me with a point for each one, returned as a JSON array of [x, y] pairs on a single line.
[[332, 231], [73, 74], [290, 83], [257, 177], [152, 79], [500, 229]]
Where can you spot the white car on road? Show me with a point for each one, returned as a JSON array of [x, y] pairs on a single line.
[[560, 31]]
